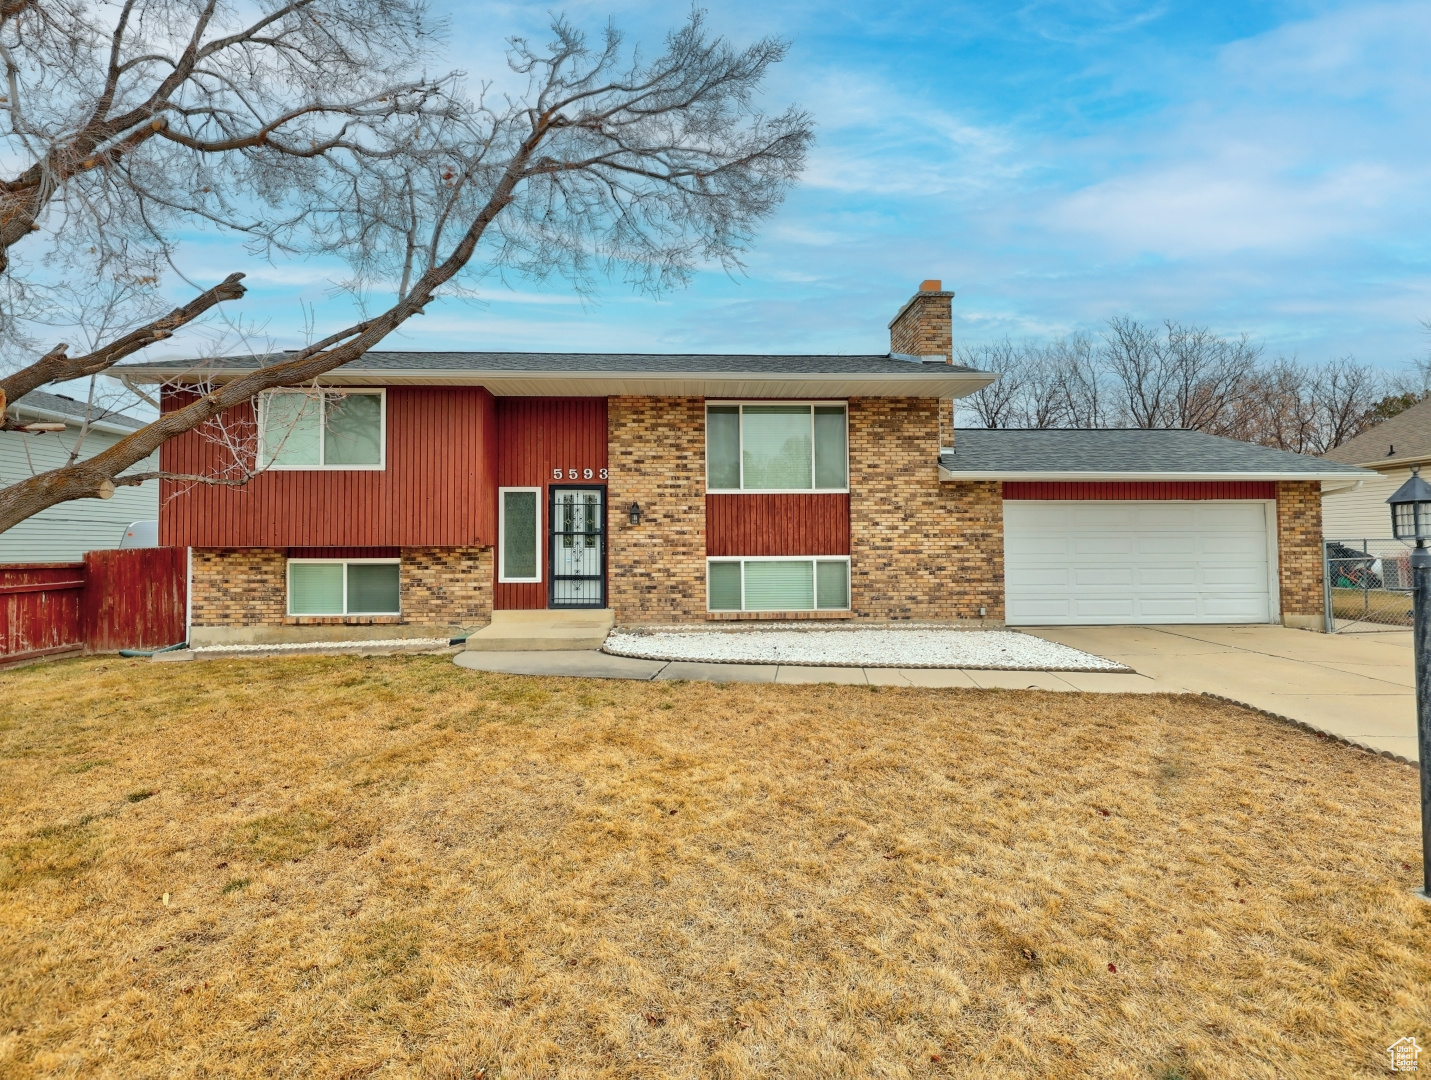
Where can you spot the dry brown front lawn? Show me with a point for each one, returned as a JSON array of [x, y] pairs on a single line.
[[393, 867]]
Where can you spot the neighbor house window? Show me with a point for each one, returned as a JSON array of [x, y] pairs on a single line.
[[777, 447], [519, 534], [343, 587], [778, 584], [322, 429]]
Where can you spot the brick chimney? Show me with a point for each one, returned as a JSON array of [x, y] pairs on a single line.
[[924, 327]]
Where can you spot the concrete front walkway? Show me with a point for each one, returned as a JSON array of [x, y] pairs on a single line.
[[1359, 686]]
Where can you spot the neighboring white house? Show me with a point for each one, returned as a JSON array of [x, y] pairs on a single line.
[[1391, 448], [65, 532]]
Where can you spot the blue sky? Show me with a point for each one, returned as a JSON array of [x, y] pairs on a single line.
[[1255, 167]]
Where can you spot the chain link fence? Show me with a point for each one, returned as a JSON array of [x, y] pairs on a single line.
[[1368, 584]]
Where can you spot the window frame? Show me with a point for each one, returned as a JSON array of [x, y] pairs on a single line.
[[345, 614], [324, 392], [814, 573], [502, 577], [812, 404]]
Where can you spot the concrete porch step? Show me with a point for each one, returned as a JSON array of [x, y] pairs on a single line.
[[536, 631]]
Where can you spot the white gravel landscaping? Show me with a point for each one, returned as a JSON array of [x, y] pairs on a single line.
[[891, 648], [329, 646]]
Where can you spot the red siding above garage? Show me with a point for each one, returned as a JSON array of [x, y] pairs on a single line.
[[1180, 489]]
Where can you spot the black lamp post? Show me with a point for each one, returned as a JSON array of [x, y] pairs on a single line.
[[1411, 520]]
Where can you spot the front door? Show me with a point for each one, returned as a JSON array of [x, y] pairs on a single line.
[[578, 547]]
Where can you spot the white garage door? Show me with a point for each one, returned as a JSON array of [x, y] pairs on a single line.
[[1137, 562]]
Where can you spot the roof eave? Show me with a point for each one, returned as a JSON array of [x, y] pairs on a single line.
[[1381, 464], [919, 383], [70, 420], [1066, 476]]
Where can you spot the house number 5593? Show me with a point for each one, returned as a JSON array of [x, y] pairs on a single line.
[[577, 474]]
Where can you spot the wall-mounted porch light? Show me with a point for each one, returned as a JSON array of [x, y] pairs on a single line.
[[635, 513]]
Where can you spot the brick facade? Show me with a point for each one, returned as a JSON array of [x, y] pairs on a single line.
[[656, 457], [919, 549], [1299, 554], [241, 596], [447, 586]]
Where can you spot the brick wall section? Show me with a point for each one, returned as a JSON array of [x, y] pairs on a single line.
[[1299, 551], [238, 588], [924, 326], [248, 588], [946, 423], [656, 454], [919, 549], [447, 586]]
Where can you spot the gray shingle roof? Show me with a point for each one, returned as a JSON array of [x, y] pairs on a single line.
[[1063, 451], [379, 361], [60, 405], [1407, 435]]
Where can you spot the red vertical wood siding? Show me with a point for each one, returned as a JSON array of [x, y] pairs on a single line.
[[815, 524], [534, 437], [1178, 489], [40, 608], [436, 490], [134, 599]]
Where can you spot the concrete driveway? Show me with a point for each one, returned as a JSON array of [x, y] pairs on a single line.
[[1360, 686]]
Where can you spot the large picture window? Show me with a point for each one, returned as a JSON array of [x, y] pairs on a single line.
[[519, 533], [321, 429], [343, 587], [777, 447], [778, 584]]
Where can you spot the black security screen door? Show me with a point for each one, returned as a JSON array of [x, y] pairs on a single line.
[[578, 565]]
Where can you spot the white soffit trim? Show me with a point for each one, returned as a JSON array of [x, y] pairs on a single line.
[[736, 384], [1011, 476]]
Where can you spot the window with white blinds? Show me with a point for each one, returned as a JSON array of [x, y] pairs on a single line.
[[778, 584], [777, 446], [344, 587]]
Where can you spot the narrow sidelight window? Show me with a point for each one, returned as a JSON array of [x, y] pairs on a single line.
[[519, 539]]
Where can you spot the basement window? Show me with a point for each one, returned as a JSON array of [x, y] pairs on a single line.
[[322, 429], [777, 447], [778, 584], [343, 587]]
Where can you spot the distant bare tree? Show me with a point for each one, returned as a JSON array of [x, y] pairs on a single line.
[[996, 405], [1175, 376], [609, 165], [1179, 377]]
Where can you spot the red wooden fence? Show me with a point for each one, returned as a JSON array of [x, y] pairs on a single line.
[[132, 599], [40, 609]]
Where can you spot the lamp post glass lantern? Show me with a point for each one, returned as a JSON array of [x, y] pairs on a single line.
[[1411, 523]]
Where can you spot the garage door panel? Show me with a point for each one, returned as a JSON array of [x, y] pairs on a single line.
[[1129, 562], [1179, 608], [1035, 577], [1105, 576], [1165, 576], [1090, 608], [1165, 544]]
